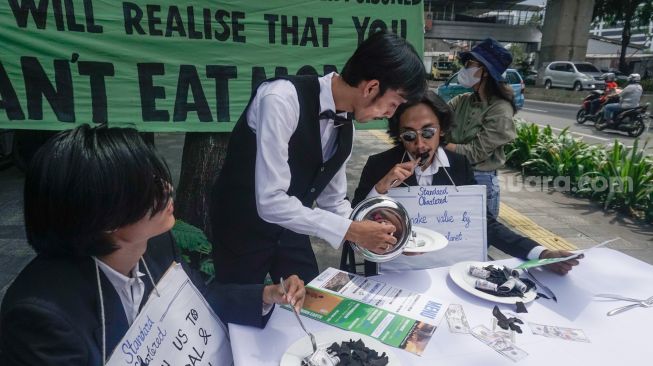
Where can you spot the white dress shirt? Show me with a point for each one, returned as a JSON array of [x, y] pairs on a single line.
[[425, 178], [130, 289], [273, 116]]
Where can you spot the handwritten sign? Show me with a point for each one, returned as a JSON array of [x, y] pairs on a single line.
[[176, 328], [459, 215]]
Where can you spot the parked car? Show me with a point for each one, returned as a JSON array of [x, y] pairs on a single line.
[[529, 76], [620, 76], [574, 75], [451, 88]]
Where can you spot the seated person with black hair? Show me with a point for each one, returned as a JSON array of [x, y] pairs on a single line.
[[98, 211], [416, 129]]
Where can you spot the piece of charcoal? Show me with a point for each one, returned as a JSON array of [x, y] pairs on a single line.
[[354, 353], [521, 308]]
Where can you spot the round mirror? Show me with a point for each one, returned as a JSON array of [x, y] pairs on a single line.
[[383, 209]]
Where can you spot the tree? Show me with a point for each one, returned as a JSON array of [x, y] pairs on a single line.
[[520, 59], [201, 163], [633, 13]]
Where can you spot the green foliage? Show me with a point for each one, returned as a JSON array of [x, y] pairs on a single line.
[[629, 172], [647, 84], [619, 177], [649, 209], [522, 148], [195, 247], [638, 12], [633, 14]]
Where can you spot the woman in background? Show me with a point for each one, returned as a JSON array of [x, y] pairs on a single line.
[[483, 118]]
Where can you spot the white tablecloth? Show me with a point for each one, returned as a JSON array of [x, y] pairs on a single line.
[[624, 339]]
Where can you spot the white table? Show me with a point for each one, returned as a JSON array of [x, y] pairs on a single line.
[[624, 339]]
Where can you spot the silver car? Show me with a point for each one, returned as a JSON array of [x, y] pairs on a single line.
[[574, 75]]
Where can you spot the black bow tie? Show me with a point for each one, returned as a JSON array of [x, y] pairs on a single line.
[[339, 120]]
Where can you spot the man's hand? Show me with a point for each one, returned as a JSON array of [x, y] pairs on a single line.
[[273, 294], [396, 175], [560, 267], [372, 235]]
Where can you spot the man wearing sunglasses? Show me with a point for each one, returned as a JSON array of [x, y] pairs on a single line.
[[284, 175], [416, 129]]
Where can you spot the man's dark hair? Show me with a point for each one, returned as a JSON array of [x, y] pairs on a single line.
[[441, 109], [392, 61], [84, 183]]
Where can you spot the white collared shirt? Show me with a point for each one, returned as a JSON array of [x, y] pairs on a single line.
[[130, 289], [273, 116], [423, 177]]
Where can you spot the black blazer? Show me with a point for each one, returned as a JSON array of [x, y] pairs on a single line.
[[50, 314], [461, 172]]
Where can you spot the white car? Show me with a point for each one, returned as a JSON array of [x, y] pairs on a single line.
[[574, 75]]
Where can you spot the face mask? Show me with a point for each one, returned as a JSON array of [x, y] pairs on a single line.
[[466, 77]]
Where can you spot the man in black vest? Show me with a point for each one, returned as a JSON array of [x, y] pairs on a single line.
[[288, 152]]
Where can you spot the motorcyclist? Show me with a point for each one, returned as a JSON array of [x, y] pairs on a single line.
[[628, 98], [609, 91]]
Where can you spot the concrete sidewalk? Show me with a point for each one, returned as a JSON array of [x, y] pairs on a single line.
[[575, 222]]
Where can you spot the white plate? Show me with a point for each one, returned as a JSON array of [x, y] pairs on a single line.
[[461, 277], [302, 347], [432, 241]]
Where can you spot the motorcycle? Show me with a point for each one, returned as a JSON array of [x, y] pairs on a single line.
[[584, 113], [630, 120]]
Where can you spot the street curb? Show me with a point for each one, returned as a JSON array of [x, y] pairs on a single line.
[[553, 103]]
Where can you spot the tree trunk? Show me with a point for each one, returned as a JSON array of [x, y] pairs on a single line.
[[202, 160]]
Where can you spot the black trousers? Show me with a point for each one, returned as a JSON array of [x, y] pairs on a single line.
[[279, 260]]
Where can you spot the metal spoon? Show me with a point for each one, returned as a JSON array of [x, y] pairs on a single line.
[[283, 287]]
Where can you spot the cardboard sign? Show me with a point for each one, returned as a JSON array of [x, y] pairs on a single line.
[[175, 327], [458, 213]]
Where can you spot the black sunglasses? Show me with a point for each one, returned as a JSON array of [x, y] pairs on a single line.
[[426, 133]]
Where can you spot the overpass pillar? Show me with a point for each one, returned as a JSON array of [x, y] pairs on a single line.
[[566, 30]]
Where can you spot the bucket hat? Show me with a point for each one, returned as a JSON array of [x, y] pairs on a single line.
[[492, 55]]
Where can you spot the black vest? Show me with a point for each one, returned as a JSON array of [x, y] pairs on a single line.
[[234, 217]]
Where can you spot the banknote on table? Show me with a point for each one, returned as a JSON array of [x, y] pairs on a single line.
[[508, 349], [456, 319], [499, 342], [568, 334], [485, 335]]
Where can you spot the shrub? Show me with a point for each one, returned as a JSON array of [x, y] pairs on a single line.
[[647, 84], [195, 248], [626, 172]]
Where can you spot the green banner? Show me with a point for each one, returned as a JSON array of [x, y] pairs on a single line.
[[173, 66]]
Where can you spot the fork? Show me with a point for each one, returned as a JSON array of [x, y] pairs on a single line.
[[618, 297], [644, 303], [283, 287]]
